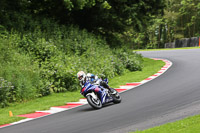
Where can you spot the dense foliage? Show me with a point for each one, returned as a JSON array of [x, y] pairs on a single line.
[[38, 63], [6, 90], [178, 19], [110, 18], [44, 43], [137, 24]]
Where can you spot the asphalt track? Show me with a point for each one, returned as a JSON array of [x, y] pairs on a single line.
[[172, 96]]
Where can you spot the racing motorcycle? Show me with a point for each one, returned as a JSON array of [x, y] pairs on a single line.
[[97, 95]]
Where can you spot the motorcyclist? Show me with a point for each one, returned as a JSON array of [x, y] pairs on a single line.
[[93, 79]]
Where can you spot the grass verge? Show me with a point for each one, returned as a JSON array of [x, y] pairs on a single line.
[[56, 99], [43, 103], [150, 67], [187, 125]]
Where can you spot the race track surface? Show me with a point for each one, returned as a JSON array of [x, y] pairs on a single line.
[[161, 100]]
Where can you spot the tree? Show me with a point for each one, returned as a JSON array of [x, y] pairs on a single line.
[[106, 17], [118, 17]]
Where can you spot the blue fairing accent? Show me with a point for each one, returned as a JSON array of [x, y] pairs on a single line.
[[100, 91], [86, 87], [103, 96], [106, 80]]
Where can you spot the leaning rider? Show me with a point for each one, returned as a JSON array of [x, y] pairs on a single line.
[[93, 79]]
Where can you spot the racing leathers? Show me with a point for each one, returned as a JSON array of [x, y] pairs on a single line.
[[93, 79]]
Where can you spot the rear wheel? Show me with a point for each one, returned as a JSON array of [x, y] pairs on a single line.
[[94, 102], [115, 95]]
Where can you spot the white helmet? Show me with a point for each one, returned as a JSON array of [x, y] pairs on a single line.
[[81, 76]]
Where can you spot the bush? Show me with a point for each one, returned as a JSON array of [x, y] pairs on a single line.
[[47, 59], [131, 60], [19, 70], [6, 92], [60, 59]]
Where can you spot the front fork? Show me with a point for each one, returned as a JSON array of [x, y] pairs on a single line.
[[93, 95], [101, 93]]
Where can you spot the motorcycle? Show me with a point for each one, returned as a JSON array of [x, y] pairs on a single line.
[[97, 95]]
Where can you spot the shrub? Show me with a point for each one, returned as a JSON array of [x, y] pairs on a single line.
[[20, 70], [6, 92], [131, 60], [46, 60]]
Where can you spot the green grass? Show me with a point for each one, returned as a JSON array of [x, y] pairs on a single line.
[[167, 49], [43, 103], [56, 99], [187, 125]]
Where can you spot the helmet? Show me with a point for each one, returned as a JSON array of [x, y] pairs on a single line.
[[81, 76]]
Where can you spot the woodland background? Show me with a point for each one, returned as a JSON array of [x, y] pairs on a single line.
[[44, 43]]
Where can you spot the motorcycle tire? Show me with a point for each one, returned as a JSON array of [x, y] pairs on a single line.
[[96, 104], [116, 97]]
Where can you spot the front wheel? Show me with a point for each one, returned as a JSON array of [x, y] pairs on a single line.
[[94, 102], [115, 95]]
